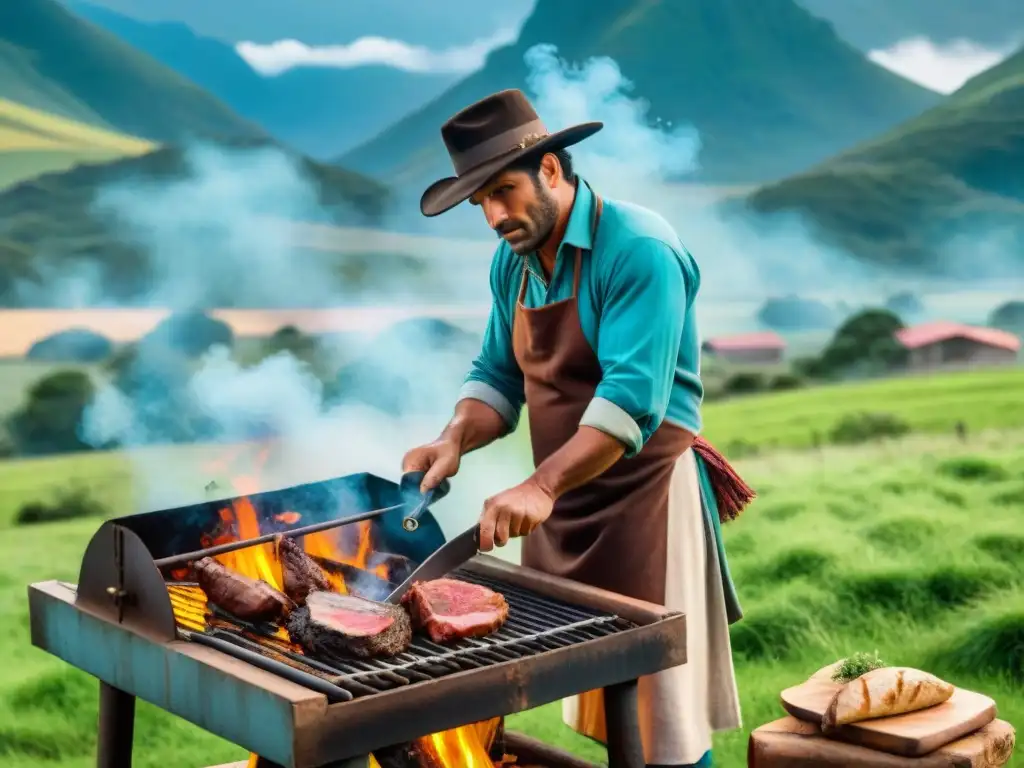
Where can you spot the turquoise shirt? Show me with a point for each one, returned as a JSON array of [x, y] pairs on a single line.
[[636, 305]]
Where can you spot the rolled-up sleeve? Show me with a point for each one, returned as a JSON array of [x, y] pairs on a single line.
[[643, 299], [495, 377]]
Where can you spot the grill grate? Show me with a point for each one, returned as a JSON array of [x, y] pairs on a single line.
[[535, 624]]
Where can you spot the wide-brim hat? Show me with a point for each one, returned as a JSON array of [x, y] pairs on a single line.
[[487, 137]]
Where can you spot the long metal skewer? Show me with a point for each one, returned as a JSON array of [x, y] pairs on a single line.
[[233, 546]]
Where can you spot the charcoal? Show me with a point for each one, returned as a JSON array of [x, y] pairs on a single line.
[[346, 625]]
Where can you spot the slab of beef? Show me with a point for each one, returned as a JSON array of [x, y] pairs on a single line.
[[242, 597], [346, 625], [300, 572], [448, 609]]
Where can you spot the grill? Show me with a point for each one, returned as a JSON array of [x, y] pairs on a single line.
[[143, 633]]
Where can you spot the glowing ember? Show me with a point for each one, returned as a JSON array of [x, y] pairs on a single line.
[[288, 518]]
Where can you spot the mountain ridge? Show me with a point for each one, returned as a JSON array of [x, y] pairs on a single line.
[[308, 108], [762, 111], [53, 61], [955, 171]]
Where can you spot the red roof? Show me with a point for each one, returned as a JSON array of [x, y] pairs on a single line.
[[931, 333], [744, 341]]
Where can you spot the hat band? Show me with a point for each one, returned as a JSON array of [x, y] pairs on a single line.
[[495, 146]]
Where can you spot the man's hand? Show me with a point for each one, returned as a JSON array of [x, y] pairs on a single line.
[[515, 512], [439, 459]]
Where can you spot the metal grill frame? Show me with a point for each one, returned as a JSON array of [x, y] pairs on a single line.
[[118, 625], [535, 624]]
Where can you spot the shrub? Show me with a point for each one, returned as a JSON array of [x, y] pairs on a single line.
[[973, 468], [69, 504], [50, 420], [784, 381], [744, 382], [863, 427], [190, 334], [75, 345]]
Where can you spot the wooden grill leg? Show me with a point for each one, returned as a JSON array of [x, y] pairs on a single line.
[[622, 723], [116, 728]]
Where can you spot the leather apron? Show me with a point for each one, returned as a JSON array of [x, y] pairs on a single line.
[[610, 532]]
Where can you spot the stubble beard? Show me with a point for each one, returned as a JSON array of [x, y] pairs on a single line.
[[541, 218]]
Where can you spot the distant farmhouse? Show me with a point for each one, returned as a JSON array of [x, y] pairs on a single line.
[[944, 344], [750, 348]]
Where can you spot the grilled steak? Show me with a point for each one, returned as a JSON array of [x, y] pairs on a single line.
[[447, 609], [245, 598], [337, 624], [300, 573]]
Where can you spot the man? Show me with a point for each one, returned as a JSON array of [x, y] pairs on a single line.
[[592, 328]]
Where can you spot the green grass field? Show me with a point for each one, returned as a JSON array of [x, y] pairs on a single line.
[[913, 547], [33, 142]]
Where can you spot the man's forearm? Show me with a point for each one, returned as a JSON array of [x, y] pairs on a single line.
[[474, 425], [587, 454]]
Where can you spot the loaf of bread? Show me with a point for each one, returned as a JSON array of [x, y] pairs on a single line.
[[882, 693]]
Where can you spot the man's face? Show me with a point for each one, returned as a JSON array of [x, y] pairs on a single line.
[[520, 208]]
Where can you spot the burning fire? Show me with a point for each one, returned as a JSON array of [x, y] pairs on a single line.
[[464, 747]]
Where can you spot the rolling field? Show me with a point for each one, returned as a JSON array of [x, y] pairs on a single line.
[[912, 547], [34, 142], [983, 399]]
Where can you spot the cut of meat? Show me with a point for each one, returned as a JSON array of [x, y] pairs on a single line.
[[448, 609], [347, 625], [300, 572], [242, 597]]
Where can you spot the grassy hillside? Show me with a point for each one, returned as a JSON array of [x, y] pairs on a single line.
[[50, 224], [34, 142], [954, 170], [54, 61], [770, 88], [911, 549]]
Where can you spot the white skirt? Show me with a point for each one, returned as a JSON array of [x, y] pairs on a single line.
[[682, 706]]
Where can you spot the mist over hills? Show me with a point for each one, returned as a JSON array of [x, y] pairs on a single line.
[[942, 192]]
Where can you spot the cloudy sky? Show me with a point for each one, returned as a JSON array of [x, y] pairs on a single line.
[[941, 67]]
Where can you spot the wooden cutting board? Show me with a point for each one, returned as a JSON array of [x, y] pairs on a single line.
[[912, 735]]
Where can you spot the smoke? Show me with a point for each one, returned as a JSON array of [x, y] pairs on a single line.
[[355, 403], [640, 158]]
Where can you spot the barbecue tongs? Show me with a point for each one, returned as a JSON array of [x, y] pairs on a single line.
[[446, 559]]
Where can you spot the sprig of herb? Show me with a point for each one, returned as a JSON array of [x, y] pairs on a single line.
[[857, 665]]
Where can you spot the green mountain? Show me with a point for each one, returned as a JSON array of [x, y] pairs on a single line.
[[955, 171], [55, 62], [770, 88]]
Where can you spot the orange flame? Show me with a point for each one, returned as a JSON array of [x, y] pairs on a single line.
[[463, 747]]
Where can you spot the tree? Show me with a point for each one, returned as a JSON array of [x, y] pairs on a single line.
[[1008, 317], [865, 343], [75, 345], [51, 419], [189, 333]]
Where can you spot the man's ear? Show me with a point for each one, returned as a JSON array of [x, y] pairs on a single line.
[[551, 169]]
